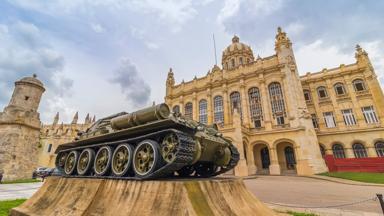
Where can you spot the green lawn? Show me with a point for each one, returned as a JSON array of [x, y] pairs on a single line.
[[21, 181], [358, 176], [300, 214], [6, 205]]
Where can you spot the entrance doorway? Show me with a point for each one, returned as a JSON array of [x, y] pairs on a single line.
[[265, 162], [286, 157], [261, 158], [290, 158]]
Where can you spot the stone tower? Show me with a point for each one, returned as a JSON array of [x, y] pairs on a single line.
[[20, 129]]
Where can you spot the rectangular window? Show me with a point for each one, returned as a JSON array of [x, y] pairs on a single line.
[[257, 123], [280, 120], [314, 121], [329, 120], [369, 115], [349, 118]]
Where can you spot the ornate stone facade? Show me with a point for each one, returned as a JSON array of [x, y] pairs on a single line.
[[55, 134], [20, 129], [277, 128]]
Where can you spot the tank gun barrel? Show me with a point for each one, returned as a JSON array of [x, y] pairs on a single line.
[[153, 113]]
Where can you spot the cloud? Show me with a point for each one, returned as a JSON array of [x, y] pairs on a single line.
[[97, 28], [25, 51], [151, 45], [136, 90], [173, 13]]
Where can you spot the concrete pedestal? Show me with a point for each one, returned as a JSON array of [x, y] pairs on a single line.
[[75, 196]]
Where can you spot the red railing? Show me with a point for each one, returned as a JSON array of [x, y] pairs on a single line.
[[371, 164]]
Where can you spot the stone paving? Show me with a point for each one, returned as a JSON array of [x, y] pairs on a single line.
[[303, 191], [20, 190], [285, 190]]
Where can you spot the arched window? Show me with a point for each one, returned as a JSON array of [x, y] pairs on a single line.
[[256, 110], [359, 85], [232, 63], [338, 151], [203, 106], [176, 109], [322, 150], [188, 110], [339, 89], [379, 146], [359, 150], [307, 95], [218, 109], [241, 60], [277, 102], [236, 102], [322, 92]]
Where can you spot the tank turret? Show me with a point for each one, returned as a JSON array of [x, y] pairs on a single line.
[[147, 144]]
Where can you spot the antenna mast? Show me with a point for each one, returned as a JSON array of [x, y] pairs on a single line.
[[214, 47]]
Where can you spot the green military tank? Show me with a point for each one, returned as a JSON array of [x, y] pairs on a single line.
[[150, 143]]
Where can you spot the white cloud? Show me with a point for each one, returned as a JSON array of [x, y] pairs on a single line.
[[315, 56], [375, 51], [233, 8], [151, 45], [295, 28], [97, 28], [26, 50]]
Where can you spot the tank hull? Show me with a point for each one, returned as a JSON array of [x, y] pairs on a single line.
[[155, 148]]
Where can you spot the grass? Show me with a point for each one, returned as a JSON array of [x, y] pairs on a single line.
[[300, 213], [377, 178], [6, 205], [21, 181]]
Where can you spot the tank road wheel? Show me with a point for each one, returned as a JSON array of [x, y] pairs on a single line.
[[146, 158], [103, 160], [122, 159], [169, 147], [85, 161], [70, 162], [60, 159]]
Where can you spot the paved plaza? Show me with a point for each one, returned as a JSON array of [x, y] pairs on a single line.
[[20, 190], [285, 190], [303, 191]]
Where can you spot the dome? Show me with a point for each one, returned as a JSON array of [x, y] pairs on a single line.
[[32, 80], [236, 54]]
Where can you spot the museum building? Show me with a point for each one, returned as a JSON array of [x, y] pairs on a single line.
[[284, 123]]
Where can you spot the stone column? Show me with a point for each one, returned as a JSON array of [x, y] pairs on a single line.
[[241, 169], [210, 107], [336, 109], [226, 105], [266, 105], [274, 168], [371, 151], [244, 105], [355, 104], [195, 114], [349, 152], [252, 169]]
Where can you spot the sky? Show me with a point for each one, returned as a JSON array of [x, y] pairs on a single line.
[[106, 56]]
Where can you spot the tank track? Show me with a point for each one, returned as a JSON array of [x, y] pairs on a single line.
[[235, 157], [184, 155]]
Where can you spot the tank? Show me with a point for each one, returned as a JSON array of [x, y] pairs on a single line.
[[150, 143]]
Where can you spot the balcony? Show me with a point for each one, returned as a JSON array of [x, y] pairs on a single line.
[[342, 97], [324, 100], [363, 93]]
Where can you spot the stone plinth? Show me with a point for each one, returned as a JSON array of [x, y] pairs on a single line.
[[74, 196]]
